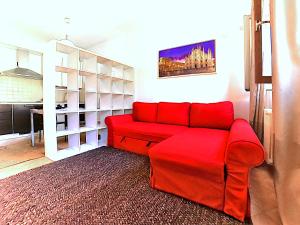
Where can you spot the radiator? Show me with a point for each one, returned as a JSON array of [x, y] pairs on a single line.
[[268, 136]]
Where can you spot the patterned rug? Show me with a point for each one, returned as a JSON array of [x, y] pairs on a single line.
[[104, 186]]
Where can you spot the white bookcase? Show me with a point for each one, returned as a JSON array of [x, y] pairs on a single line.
[[89, 88]]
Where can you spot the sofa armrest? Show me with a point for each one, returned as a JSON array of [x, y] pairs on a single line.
[[243, 152], [243, 147], [112, 122]]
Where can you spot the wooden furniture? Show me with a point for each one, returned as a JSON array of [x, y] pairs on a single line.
[[107, 87]]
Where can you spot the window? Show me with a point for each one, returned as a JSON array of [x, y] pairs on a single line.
[[262, 41]]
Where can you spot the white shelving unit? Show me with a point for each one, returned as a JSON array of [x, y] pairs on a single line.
[[91, 88]]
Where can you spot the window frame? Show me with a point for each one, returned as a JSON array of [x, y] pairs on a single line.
[[258, 62]]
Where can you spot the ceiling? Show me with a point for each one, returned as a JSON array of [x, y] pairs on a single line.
[[95, 21]]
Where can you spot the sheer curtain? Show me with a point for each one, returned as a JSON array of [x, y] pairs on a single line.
[[285, 22]]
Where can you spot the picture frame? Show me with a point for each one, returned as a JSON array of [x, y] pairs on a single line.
[[193, 59]]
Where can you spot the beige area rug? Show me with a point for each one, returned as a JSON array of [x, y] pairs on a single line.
[[15, 151]]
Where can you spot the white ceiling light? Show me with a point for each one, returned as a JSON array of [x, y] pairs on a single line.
[[66, 41]]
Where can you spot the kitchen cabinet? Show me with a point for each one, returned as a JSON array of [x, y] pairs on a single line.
[[21, 119], [15, 118], [6, 126]]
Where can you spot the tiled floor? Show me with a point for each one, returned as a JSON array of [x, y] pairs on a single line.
[[264, 209]]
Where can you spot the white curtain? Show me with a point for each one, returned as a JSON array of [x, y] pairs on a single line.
[[285, 17]]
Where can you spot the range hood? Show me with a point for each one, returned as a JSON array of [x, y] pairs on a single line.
[[22, 71]]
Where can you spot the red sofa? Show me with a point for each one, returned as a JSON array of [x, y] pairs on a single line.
[[197, 151]]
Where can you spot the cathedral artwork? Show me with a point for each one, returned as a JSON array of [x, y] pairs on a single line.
[[189, 59]]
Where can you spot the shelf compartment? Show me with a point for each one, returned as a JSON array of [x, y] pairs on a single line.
[[73, 122], [127, 111], [68, 145], [92, 138], [104, 69], [117, 71], [67, 58], [61, 79], [117, 87], [102, 137], [90, 120], [72, 100], [87, 62], [117, 112], [101, 117], [128, 74], [61, 122], [104, 101], [104, 85], [117, 101], [90, 101], [65, 83], [90, 83], [72, 81], [88, 140], [128, 88], [128, 101]]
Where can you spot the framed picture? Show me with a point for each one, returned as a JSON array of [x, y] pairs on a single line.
[[198, 58]]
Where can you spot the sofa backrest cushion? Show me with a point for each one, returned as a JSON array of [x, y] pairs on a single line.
[[145, 112], [173, 113], [218, 115]]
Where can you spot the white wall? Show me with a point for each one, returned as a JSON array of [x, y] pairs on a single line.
[[163, 29], [19, 89]]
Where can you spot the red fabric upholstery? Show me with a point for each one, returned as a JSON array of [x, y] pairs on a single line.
[[145, 112], [173, 113], [112, 122], [213, 115], [244, 151], [209, 166], [191, 164], [243, 147], [133, 145], [154, 132]]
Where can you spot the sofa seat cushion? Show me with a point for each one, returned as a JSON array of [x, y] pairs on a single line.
[[153, 132], [191, 165], [200, 149]]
